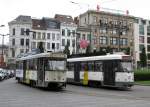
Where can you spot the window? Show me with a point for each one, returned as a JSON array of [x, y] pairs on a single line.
[[148, 48], [68, 33], [90, 66], [22, 31], [63, 42], [83, 36], [82, 66], [48, 45], [73, 33], [141, 39], [63, 32], [13, 31], [58, 36], [27, 32], [113, 41], [73, 43], [148, 40], [103, 40], [148, 56], [48, 36], [13, 42], [141, 29], [89, 37], [39, 35], [22, 42], [33, 45], [55, 65], [98, 66], [27, 42], [124, 41], [34, 35], [95, 40], [141, 47], [53, 45], [68, 42], [43, 36], [13, 52], [53, 36], [57, 45], [32, 64], [148, 30], [70, 66], [114, 31]]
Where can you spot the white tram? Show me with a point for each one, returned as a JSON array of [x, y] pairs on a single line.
[[42, 70], [108, 70]]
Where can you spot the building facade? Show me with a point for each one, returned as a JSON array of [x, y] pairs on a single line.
[[46, 30], [19, 41], [141, 39], [68, 32], [107, 29]]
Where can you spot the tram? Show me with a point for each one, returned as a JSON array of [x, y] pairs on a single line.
[[113, 70], [42, 70]]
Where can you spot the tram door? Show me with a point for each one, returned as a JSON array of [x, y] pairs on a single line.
[[40, 73], [24, 69], [109, 72], [77, 72]]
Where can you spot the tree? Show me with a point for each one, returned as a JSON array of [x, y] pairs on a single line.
[[88, 49], [127, 50], [66, 50], [143, 58], [109, 50], [41, 47]]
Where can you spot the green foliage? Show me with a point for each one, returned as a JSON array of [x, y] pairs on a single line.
[[88, 49], [127, 50], [41, 47], [66, 50], [109, 50], [142, 74], [143, 58]]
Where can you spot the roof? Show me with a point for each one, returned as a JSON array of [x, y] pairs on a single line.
[[43, 55], [106, 13], [45, 23], [64, 18], [22, 19], [38, 24], [95, 58]]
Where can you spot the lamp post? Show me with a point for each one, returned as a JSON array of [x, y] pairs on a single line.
[[2, 58]]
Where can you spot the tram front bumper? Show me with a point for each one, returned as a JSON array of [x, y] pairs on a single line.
[[124, 84]]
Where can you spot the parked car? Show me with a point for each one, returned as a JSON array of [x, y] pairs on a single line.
[[1, 74]]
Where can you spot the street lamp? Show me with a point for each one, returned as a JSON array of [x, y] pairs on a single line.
[[2, 25], [2, 58]]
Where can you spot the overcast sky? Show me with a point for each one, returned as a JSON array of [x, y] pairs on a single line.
[[10, 9]]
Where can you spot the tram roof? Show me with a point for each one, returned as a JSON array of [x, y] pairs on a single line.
[[104, 57], [42, 55]]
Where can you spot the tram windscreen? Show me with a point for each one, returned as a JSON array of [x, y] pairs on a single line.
[[126, 66], [55, 65]]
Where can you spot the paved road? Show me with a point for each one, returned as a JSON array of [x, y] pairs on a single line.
[[13, 94]]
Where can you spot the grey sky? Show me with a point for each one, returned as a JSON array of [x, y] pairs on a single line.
[[10, 9]]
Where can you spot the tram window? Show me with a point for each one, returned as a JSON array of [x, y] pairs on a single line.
[[55, 65], [32, 64], [83, 65], [90, 66], [98, 66], [19, 65], [126, 66], [70, 66]]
